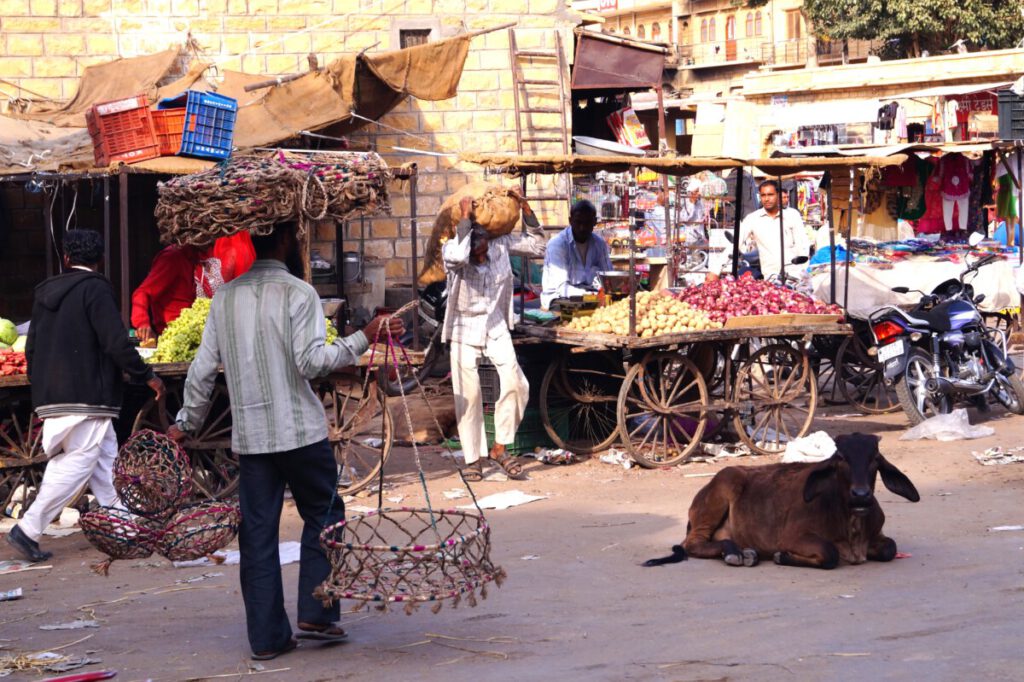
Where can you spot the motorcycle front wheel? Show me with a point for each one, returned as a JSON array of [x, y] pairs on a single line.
[[1009, 392], [916, 400]]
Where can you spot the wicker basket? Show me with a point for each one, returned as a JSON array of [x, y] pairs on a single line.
[[152, 474], [408, 556], [120, 534], [199, 530]]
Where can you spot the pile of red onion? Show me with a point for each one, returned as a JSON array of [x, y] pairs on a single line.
[[727, 297]]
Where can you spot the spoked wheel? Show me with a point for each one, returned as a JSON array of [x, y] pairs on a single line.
[[22, 460], [214, 464], [662, 413], [1009, 392], [917, 401], [361, 431], [775, 394], [578, 398], [824, 353], [861, 378]]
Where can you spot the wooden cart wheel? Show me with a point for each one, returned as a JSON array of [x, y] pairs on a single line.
[[214, 464], [361, 430], [578, 398], [775, 396], [22, 460], [662, 413], [861, 378]]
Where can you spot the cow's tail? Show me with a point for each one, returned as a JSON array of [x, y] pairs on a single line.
[[678, 554]]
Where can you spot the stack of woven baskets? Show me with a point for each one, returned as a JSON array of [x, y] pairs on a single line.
[[153, 479]]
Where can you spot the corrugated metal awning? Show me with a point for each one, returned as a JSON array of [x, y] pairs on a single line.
[[947, 90]]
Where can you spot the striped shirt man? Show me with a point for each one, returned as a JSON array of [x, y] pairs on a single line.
[[267, 329]]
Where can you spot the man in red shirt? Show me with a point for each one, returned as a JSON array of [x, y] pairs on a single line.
[[179, 274]]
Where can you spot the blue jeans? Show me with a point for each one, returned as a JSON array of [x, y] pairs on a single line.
[[311, 473]]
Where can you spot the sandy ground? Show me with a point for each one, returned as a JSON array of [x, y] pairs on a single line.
[[577, 605]]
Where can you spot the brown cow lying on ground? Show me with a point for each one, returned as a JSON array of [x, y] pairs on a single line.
[[812, 514]]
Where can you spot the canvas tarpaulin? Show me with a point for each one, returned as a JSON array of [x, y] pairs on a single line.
[[367, 85]]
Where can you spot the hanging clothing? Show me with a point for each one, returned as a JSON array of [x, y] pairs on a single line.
[[949, 115], [1007, 197], [901, 122], [931, 221], [981, 193], [955, 171]]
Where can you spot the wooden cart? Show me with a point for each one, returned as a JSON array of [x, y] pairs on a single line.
[[659, 397]]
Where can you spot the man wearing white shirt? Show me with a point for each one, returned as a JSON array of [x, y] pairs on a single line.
[[574, 257], [760, 229]]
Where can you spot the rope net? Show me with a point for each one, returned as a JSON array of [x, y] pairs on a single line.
[[152, 474]]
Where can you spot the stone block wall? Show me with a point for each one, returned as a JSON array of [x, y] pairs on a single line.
[[46, 44]]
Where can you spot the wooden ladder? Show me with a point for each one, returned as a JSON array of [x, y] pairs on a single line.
[[522, 87]]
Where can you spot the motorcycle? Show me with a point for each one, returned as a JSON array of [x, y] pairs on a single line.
[[433, 302], [941, 352]]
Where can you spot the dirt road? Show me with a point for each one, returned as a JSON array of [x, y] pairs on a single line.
[[578, 606]]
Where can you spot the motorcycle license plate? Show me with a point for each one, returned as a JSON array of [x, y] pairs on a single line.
[[893, 350]]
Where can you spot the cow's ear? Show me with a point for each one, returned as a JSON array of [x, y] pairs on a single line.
[[819, 477], [896, 481]]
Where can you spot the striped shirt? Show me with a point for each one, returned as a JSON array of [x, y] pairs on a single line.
[[267, 329]]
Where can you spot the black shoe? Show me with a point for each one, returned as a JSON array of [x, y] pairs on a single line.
[[26, 547]]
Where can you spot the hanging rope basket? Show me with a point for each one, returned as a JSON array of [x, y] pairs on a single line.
[[152, 474], [409, 556], [119, 534], [200, 530]]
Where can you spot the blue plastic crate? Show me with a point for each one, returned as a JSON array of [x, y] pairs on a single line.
[[209, 123]]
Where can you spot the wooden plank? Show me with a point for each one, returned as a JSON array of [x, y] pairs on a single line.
[[780, 319], [591, 339], [14, 380]]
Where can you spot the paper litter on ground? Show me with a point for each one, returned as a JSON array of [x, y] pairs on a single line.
[[454, 493], [946, 427], [18, 565], [712, 452], [997, 529], [504, 500], [553, 456], [999, 455], [11, 595], [618, 457], [197, 578], [815, 447], [289, 555], [71, 625]]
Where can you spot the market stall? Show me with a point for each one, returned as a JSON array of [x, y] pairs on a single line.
[[659, 372]]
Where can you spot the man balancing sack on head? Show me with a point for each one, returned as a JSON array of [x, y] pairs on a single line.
[[477, 323], [267, 329], [77, 352]]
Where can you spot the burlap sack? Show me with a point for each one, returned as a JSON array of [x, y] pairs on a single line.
[[493, 207]]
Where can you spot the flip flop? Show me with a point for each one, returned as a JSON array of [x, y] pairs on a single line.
[[474, 472], [510, 465], [322, 633], [269, 655]]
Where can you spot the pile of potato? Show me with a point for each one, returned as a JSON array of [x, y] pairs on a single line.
[[655, 314]]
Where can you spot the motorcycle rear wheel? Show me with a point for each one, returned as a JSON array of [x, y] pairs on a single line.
[[915, 399], [1009, 392]]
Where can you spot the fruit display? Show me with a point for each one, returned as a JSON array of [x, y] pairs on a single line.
[[724, 298], [12, 362], [180, 340], [656, 313], [8, 332], [332, 332]]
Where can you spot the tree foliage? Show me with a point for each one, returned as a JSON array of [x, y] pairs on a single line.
[[909, 27]]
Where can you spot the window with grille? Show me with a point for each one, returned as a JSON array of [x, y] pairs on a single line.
[[640, 32], [757, 23], [703, 30], [750, 24], [410, 37]]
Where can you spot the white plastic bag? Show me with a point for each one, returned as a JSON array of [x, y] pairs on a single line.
[[952, 426], [815, 447]]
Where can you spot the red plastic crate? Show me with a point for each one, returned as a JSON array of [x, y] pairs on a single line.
[[122, 130], [169, 124]]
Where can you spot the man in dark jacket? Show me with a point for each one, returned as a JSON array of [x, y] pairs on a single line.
[[77, 351]]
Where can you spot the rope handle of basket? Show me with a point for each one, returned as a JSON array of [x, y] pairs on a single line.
[[391, 352]]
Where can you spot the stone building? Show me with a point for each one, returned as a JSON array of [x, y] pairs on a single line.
[[46, 44]]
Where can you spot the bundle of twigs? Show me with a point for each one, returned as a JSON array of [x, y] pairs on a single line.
[[254, 192]]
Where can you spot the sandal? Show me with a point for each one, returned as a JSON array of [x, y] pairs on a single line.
[[473, 473], [268, 655], [509, 464], [322, 633]]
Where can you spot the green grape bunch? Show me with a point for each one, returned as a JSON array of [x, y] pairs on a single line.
[[179, 342], [332, 333]]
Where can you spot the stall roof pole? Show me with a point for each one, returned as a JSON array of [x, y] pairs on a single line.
[[413, 233], [831, 240], [631, 194], [849, 236], [1011, 230], [738, 219], [106, 226], [122, 186], [51, 246], [782, 232]]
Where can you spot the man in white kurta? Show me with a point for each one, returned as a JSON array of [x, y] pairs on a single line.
[[477, 324]]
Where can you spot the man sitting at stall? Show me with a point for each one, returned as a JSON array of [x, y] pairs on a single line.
[[760, 230], [180, 274], [477, 323], [575, 256], [691, 213]]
